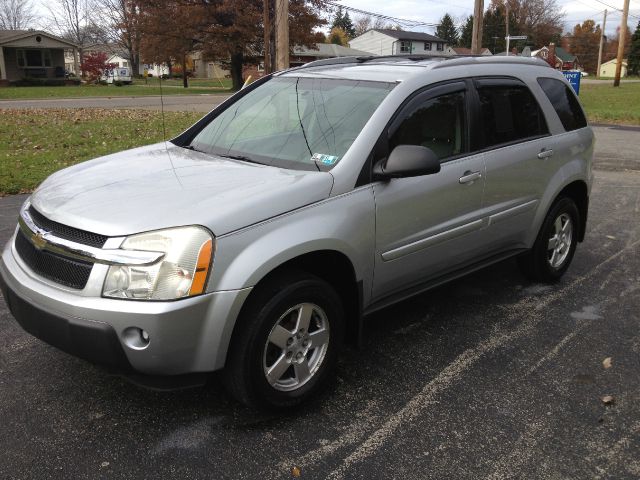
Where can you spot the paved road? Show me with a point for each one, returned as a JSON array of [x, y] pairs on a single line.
[[175, 103], [487, 377]]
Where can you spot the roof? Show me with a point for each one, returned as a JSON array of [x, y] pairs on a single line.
[[403, 35], [564, 55], [614, 61], [327, 50], [7, 36], [111, 49]]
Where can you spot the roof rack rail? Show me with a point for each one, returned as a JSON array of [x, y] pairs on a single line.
[[495, 59], [367, 58]]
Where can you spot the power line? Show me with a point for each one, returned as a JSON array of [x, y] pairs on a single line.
[[401, 21], [616, 8]]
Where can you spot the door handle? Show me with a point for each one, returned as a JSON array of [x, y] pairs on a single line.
[[544, 153], [469, 177]]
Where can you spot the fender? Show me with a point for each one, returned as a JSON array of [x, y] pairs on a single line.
[[569, 173], [246, 256]]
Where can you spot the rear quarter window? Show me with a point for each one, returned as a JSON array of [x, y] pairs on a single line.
[[510, 113], [564, 102]]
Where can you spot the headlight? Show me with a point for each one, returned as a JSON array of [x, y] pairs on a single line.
[[182, 272]]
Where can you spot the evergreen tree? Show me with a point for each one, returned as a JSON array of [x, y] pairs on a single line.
[[493, 30], [343, 21], [466, 33], [633, 62], [447, 30]]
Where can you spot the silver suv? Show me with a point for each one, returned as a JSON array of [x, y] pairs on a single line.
[[256, 241]]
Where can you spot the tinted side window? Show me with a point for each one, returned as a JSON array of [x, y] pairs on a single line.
[[437, 123], [509, 113], [564, 103]]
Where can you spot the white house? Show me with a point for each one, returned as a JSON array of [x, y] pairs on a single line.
[[382, 41], [608, 69]]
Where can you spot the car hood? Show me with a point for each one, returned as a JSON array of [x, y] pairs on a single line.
[[155, 187]]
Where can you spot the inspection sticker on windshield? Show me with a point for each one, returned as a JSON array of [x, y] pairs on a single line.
[[324, 159]]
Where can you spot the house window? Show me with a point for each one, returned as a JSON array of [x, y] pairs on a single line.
[[427, 45], [34, 58], [405, 47], [440, 46]]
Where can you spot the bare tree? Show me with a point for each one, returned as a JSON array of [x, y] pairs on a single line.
[[72, 19], [122, 27], [362, 23], [16, 14]]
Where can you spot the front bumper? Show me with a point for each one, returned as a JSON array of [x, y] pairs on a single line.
[[185, 336]]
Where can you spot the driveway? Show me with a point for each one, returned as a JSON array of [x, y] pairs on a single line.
[[490, 376], [175, 103]]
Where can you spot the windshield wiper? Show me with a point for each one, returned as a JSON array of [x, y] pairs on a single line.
[[244, 158], [190, 147]]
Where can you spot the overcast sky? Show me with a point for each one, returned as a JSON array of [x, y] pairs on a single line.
[[432, 10]]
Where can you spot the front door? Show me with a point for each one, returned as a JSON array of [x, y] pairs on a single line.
[[428, 224]]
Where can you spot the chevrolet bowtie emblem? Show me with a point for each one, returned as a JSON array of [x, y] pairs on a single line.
[[38, 240]]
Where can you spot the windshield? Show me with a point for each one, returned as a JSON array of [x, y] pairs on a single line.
[[300, 123]]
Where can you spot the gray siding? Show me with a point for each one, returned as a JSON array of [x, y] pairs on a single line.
[[374, 43]]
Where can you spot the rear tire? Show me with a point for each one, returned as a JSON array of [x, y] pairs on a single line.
[[555, 245], [286, 342]]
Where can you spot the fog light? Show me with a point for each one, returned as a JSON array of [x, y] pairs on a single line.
[[136, 338]]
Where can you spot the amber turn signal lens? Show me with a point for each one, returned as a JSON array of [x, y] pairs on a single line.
[[202, 268]]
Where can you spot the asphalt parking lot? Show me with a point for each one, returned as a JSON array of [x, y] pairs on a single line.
[[487, 377]]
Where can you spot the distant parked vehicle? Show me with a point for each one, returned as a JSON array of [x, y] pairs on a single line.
[[118, 74]]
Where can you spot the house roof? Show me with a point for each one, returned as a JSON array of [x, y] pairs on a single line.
[[403, 35], [614, 61], [110, 49], [564, 55], [8, 36], [328, 50]]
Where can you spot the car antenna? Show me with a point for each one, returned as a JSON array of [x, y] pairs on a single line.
[[164, 130]]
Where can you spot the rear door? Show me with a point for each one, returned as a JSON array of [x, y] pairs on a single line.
[[516, 141], [428, 224]]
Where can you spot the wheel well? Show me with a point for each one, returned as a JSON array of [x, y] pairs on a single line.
[[577, 191], [336, 269]]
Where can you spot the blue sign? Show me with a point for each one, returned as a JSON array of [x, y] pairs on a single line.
[[573, 77]]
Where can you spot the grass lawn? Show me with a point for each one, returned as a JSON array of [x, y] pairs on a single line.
[[605, 104], [169, 87], [36, 143]]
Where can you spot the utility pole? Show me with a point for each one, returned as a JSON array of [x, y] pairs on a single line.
[[621, 40], [267, 38], [506, 4], [282, 34], [604, 25], [476, 35]]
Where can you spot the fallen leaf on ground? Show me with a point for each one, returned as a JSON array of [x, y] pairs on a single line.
[[295, 471], [606, 363], [608, 400]]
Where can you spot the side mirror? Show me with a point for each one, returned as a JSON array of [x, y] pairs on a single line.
[[408, 161]]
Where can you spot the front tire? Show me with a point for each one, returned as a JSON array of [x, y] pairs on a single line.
[[285, 344], [555, 245]]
